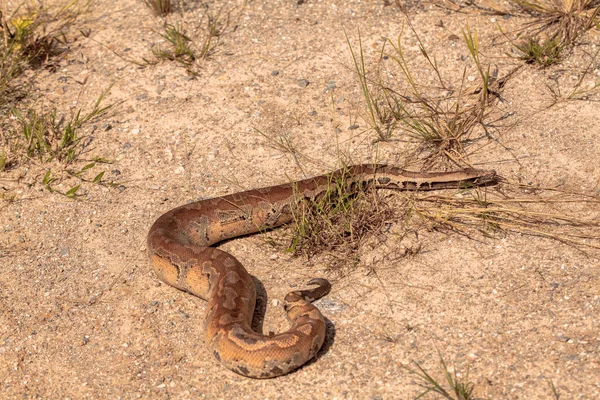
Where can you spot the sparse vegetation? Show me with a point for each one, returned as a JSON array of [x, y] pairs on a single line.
[[46, 136], [187, 48], [458, 387], [555, 394], [563, 21], [544, 54], [32, 37], [442, 119], [338, 221], [179, 48], [160, 8], [35, 37], [514, 208], [584, 87]]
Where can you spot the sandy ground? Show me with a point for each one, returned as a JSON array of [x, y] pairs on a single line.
[[82, 315]]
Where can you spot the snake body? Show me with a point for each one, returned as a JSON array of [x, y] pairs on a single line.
[[180, 248]]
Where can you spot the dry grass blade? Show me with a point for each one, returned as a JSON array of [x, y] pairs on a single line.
[[564, 20], [511, 209]]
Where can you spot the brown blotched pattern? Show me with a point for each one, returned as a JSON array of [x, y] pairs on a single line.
[[179, 248]]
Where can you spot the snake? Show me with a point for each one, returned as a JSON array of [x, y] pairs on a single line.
[[181, 248]]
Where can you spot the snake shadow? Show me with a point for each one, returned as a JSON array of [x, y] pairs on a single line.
[[259, 318]]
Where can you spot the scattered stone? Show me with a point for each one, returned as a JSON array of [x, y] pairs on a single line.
[[563, 338], [64, 251], [330, 86], [313, 113], [303, 82], [274, 73], [353, 127], [330, 305]]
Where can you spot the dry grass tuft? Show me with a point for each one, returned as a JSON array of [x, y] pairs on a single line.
[[514, 209], [339, 221], [187, 44], [343, 218], [160, 8], [32, 36], [563, 20], [442, 119]]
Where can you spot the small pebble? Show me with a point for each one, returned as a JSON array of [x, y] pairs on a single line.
[[302, 82], [274, 73]]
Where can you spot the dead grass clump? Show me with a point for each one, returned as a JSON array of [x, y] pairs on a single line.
[[160, 8], [343, 217], [513, 209], [556, 26], [338, 221], [562, 20]]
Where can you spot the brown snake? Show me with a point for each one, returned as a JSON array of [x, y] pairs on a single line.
[[180, 250]]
